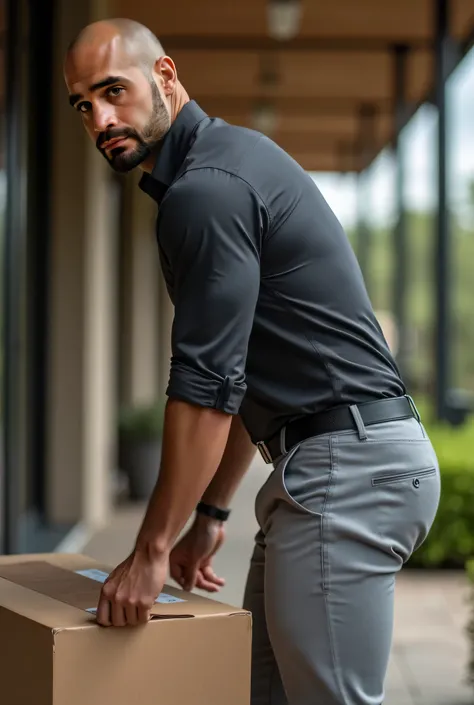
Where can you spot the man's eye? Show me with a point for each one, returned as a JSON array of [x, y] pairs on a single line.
[[115, 91], [83, 107]]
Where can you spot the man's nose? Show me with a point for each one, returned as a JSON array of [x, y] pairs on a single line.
[[103, 120]]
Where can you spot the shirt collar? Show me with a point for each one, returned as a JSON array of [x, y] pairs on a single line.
[[176, 144]]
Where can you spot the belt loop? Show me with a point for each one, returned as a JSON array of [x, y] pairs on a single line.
[[354, 409], [283, 449], [413, 406]]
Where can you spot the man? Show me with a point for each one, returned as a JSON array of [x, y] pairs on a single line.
[[275, 344]]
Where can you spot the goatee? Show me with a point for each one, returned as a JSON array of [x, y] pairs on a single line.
[[123, 159]]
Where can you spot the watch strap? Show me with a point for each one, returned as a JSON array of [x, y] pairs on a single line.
[[213, 512]]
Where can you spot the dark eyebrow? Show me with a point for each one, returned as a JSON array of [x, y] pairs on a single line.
[[109, 81]]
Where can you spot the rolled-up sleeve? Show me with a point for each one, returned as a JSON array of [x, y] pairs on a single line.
[[210, 229]]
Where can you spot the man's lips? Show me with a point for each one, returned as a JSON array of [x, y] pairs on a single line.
[[114, 142]]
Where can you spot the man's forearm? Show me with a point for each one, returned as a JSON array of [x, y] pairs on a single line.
[[194, 440], [238, 455]]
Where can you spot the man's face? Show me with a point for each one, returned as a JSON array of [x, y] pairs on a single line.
[[121, 108]]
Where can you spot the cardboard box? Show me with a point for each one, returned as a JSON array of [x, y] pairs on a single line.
[[195, 651]]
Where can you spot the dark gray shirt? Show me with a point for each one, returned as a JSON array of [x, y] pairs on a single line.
[[272, 319]]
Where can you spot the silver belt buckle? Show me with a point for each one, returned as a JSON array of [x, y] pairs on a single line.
[[264, 452]]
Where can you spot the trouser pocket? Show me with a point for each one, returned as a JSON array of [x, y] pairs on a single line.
[[300, 482], [306, 476], [407, 502], [404, 476]]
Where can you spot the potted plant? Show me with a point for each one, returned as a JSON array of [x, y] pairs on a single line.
[[140, 436]]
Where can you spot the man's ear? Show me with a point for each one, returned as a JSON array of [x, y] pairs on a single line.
[[165, 71]]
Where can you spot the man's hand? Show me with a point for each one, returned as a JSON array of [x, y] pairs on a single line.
[[130, 591], [190, 560]]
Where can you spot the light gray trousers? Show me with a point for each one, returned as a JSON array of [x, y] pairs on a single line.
[[338, 516]]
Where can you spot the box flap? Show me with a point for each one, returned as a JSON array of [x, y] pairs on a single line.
[[76, 581]]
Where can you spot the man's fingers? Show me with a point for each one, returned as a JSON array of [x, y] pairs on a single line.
[[203, 584], [208, 580], [111, 610], [176, 572], [103, 612], [190, 577], [127, 613], [131, 615], [143, 614], [209, 575], [118, 615]]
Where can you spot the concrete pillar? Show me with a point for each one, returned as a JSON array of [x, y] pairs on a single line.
[[141, 311], [81, 416]]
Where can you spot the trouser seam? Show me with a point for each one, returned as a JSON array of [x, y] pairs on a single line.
[[326, 596], [332, 645], [325, 519]]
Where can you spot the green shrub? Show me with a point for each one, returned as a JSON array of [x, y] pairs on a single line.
[[141, 422], [451, 540]]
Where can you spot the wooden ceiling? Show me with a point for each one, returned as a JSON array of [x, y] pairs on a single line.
[[311, 92]]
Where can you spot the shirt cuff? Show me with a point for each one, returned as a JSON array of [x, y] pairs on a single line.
[[195, 387]]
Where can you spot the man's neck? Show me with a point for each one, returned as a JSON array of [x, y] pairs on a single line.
[[148, 164], [178, 102]]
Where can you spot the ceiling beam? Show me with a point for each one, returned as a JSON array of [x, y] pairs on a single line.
[[329, 161], [312, 142], [175, 42], [321, 105]]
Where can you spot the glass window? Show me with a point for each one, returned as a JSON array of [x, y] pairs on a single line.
[[379, 214], [23, 188], [419, 145], [460, 102]]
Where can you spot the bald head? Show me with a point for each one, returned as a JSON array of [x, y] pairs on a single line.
[[125, 89], [137, 44]]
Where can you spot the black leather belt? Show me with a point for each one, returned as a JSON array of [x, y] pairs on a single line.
[[334, 420]]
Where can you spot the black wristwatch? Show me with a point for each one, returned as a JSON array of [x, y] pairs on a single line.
[[213, 512]]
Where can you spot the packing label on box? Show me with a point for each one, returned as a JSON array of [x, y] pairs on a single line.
[[101, 576]]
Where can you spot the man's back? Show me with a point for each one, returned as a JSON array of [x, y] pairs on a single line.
[[314, 342]]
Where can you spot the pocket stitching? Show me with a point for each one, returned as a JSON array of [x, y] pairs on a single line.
[[292, 500], [392, 479]]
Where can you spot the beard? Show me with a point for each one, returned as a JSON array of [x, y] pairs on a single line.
[[123, 159]]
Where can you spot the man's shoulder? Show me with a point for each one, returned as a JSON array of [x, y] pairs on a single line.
[[227, 148], [202, 184], [227, 133], [210, 193], [249, 155]]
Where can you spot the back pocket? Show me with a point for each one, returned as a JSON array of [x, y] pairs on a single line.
[[407, 502], [403, 476]]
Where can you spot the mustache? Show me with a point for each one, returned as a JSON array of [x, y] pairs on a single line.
[[115, 134]]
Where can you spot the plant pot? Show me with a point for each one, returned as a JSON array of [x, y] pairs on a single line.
[[140, 460]]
